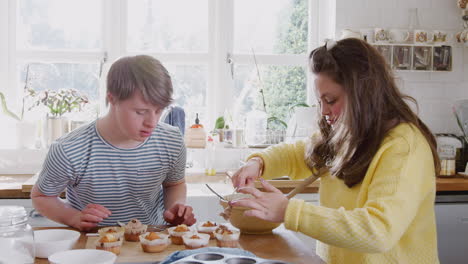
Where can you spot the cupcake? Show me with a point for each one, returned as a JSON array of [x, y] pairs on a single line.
[[116, 231], [193, 241], [177, 232], [109, 242], [134, 229], [207, 228], [226, 237], [152, 242]]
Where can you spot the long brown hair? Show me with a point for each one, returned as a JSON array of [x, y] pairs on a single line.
[[373, 102]]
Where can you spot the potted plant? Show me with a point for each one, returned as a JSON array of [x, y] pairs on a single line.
[[26, 130], [58, 102]]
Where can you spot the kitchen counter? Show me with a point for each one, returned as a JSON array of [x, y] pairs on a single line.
[[282, 244], [19, 186]]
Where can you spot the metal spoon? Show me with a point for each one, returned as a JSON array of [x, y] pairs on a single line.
[[217, 194]]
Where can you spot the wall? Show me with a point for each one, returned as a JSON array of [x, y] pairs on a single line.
[[435, 92]]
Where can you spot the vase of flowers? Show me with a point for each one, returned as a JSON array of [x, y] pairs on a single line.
[[58, 102]]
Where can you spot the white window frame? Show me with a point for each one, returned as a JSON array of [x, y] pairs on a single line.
[[220, 46], [220, 86]]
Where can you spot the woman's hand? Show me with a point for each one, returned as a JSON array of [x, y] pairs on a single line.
[[90, 216], [270, 205], [248, 173], [180, 214]]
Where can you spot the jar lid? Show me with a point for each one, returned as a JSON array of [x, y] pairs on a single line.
[[12, 215]]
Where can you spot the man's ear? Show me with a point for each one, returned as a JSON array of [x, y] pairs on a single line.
[[110, 99]]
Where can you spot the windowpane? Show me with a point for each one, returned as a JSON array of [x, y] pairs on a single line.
[[279, 28], [59, 24], [283, 87], [55, 76], [190, 85], [168, 26]]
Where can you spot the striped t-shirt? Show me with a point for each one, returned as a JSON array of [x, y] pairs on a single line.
[[128, 182]]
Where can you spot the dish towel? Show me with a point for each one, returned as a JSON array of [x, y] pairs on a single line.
[[175, 116], [185, 253]]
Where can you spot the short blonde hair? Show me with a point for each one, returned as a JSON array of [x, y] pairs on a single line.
[[141, 72]]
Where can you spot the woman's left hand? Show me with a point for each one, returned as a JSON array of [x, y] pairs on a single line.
[[270, 205]]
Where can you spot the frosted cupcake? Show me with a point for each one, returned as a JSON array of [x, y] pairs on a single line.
[[193, 241], [109, 242], [177, 232], [134, 229], [116, 231], [207, 228], [152, 242], [226, 237]]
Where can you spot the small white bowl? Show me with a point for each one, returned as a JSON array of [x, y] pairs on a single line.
[[49, 241], [80, 256]]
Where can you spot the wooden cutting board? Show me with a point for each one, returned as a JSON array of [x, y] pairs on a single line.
[[132, 252]]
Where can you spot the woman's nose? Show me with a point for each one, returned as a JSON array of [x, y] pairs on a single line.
[[324, 109]]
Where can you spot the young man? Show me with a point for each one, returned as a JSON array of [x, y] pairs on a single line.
[[124, 165]]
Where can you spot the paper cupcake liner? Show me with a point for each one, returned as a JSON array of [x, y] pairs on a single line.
[[163, 240], [134, 231], [109, 244]]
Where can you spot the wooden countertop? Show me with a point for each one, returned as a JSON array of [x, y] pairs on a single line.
[[19, 186], [282, 244]]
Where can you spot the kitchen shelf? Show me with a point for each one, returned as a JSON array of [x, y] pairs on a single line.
[[410, 57]]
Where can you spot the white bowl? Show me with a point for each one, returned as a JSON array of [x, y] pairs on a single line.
[[49, 241], [80, 256]]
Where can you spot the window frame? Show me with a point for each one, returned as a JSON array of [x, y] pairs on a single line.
[[114, 30]]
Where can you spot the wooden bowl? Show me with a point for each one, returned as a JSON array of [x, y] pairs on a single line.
[[247, 224]]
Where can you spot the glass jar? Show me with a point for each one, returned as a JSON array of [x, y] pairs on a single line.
[[16, 236]]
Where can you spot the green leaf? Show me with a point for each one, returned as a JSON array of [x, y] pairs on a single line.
[[274, 119], [219, 123], [5, 108]]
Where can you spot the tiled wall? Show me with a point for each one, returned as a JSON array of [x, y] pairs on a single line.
[[434, 91]]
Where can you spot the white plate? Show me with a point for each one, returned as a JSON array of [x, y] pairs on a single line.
[[81, 256]]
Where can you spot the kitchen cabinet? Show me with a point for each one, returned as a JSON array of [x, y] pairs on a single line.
[[451, 210]]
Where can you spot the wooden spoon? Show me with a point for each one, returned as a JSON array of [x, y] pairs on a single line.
[[296, 189], [302, 185]]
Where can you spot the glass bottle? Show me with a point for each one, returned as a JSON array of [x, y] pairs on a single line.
[[210, 157], [16, 236], [256, 127], [413, 22]]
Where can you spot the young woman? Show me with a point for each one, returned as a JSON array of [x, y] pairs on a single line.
[[377, 160]]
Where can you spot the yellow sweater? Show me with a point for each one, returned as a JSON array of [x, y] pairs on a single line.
[[387, 218]]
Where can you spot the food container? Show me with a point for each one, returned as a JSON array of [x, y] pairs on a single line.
[[50, 241], [16, 236], [218, 258], [449, 148]]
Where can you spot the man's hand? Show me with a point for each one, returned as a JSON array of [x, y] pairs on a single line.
[[90, 217], [180, 214]]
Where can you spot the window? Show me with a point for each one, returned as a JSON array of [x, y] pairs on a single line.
[[219, 53], [275, 42]]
